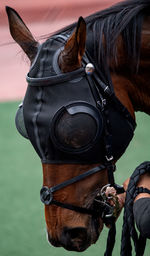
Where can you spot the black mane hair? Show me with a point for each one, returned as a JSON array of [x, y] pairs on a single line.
[[124, 18]]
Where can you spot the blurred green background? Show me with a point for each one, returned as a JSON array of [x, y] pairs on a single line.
[[22, 224]]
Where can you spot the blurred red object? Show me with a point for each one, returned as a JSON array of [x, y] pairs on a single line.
[[42, 17]]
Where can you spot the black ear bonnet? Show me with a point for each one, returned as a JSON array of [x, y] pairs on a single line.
[[62, 113]]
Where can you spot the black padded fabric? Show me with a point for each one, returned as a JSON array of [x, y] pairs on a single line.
[[50, 91]]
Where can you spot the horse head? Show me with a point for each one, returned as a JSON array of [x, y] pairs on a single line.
[[68, 228], [71, 126]]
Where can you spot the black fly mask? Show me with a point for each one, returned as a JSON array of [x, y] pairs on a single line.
[[63, 113], [72, 117]]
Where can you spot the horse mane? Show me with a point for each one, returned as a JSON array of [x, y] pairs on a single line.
[[125, 19]]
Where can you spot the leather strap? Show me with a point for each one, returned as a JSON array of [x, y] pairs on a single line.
[[77, 178]]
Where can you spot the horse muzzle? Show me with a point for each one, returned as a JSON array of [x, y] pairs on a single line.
[[74, 239]]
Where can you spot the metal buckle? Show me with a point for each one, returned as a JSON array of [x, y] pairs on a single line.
[[109, 212], [104, 102], [110, 208], [107, 209], [102, 192], [21, 104], [46, 195], [106, 88], [109, 158]]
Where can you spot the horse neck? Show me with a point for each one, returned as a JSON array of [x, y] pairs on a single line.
[[141, 81], [140, 89], [133, 89]]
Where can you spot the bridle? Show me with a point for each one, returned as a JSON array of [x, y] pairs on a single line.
[[101, 208], [104, 210], [46, 194]]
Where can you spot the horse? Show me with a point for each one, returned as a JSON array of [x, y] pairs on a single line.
[[88, 111]]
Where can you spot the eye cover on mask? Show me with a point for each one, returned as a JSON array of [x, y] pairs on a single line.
[[19, 121], [76, 127], [141, 211]]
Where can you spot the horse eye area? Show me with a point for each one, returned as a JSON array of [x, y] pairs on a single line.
[[75, 131]]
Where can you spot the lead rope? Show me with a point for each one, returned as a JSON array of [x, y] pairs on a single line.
[[129, 230], [110, 240], [110, 170]]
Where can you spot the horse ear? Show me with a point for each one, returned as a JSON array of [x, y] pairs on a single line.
[[21, 34], [81, 36], [70, 57]]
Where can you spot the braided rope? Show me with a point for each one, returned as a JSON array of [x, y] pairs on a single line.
[[110, 240], [129, 230]]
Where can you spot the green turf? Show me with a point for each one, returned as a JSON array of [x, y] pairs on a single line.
[[22, 225]]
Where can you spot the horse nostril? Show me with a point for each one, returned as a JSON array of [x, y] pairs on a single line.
[[75, 239], [77, 233]]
